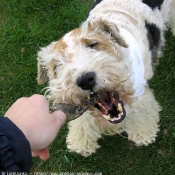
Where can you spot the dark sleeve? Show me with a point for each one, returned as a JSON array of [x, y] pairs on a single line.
[[15, 151]]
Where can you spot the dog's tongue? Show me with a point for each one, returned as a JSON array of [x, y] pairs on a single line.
[[104, 101], [111, 107]]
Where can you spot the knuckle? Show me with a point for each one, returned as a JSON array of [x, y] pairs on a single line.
[[38, 98], [19, 100]]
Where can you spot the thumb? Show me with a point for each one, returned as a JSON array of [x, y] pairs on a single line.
[[60, 117]]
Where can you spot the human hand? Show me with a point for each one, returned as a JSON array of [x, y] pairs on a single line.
[[32, 116]]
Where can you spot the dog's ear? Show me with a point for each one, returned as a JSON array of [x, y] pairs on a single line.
[[46, 64], [110, 28], [114, 31], [42, 73]]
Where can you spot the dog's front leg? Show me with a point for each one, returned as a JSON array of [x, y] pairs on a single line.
[[83, 135], [141, 123]]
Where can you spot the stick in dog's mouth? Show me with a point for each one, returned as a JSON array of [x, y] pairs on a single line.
[[107, 103]]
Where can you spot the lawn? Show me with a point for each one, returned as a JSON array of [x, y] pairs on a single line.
[[27, 25]]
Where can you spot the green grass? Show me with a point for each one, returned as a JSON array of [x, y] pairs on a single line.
[[27, 25]]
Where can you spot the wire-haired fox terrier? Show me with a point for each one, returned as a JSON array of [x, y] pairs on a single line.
[[112, 54]]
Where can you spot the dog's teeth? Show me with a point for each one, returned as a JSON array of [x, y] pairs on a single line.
[[107, 117], [100, 104], [113, 119], [119, 116], [103, 108], [119, 108], [88, 96]]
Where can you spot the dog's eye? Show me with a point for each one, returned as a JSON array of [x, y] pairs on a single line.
[[92, 45]]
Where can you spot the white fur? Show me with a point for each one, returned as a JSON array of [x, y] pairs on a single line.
[[136, 60], [90, 133], [69, 41]]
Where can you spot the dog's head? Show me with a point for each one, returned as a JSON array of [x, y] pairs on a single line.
[[88, 59]]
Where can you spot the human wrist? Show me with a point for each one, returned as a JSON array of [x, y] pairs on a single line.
[[21, 126]]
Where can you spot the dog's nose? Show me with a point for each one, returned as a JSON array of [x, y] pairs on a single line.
[[87, 81]]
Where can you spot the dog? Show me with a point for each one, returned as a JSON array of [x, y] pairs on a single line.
[[112, 53]]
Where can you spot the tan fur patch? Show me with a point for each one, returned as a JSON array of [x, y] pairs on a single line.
[[60, 46], [102, 43], [53, 65], [75, 32]]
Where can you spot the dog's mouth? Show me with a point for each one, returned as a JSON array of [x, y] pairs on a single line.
[[111, 107]]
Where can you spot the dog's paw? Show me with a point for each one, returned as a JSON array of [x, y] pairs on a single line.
[[143, 139], [82, 146], [83, 135]]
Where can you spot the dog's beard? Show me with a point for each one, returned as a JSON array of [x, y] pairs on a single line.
[[110, 106]]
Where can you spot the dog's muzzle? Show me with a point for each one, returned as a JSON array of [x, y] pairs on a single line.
[[107, 103]]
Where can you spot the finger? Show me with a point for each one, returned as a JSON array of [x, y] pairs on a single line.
[[44, 154], [39, 99], [20, 101], [35, 153]]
